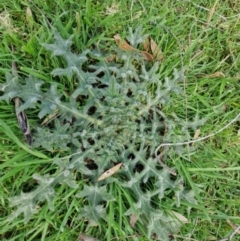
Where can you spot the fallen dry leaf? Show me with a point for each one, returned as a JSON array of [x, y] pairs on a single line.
[[133, 220], [84, 237], [122, 44], [111, 58], [109, 172], [196, 135], [217, 74], [176, 221], [29, 17], [146, 45], [147, 56], [156, 51], [233, 226], [180, 217]]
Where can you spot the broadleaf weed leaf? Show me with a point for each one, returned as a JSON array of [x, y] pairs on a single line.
[[114, 115]]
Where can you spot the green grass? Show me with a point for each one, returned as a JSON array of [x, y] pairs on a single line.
[[190, 36]]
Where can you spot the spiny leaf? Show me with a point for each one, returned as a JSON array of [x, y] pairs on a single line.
[[164, 181], [61, 45], [136, 37], [95, 194], [10, 88], [93, 214], [74, 62], [25, 205], [115, 114]]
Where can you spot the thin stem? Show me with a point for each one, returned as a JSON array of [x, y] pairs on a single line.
[[191, 142]]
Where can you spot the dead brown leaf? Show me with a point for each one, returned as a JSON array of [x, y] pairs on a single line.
[[180, 217], [84, 237], [122, 44], [156, 51], [233, 226], [29, 17], [196, 135], [217, 74], [146, 45], [111, 58], [133, 220], [110, 172], [147, 56]]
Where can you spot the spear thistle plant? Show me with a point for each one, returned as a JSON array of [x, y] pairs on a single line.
[[115, 115]]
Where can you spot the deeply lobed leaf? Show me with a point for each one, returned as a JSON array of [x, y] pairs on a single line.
[[113, 116]]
